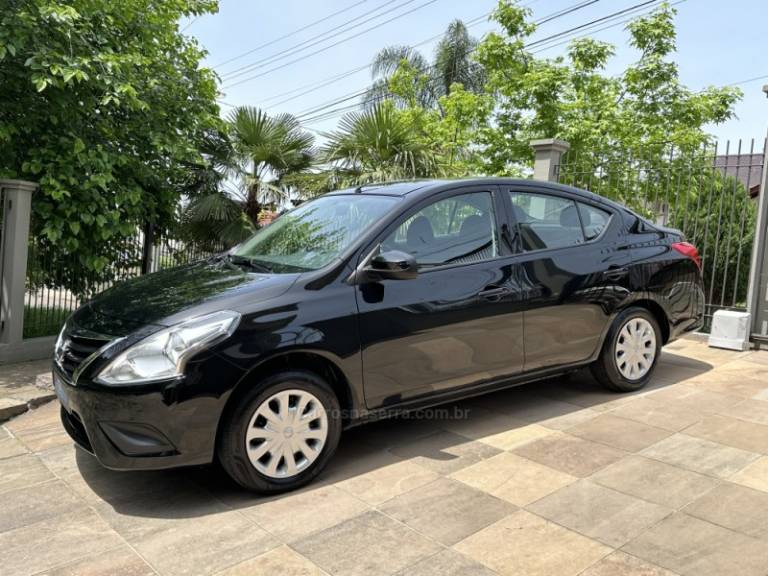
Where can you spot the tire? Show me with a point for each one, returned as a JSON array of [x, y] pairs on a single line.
[[263, 462], [640, 362]]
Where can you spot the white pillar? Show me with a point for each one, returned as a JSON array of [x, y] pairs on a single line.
[[547, 154], [757, 293], [17, 208]]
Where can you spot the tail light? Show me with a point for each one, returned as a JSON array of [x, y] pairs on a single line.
[[689, 250]]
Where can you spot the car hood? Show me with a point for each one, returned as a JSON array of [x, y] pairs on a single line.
[[164, 298]]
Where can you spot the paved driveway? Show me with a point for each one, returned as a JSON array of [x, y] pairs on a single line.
[[557, 478]]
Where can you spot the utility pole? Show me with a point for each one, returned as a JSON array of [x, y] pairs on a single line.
[[757, 295]]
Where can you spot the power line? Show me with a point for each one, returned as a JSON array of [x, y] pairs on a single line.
[[284, 36], [336, 112], [195, 19], [592, 29], [324, 49], [548, 18], [318, 39], [314, 86]]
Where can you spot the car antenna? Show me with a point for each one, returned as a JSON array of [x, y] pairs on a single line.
[[359, 189]]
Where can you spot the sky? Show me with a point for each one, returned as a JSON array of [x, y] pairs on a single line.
[[718, 43]]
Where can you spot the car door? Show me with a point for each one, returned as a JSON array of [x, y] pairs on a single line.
[[574, 268], [459, 321]]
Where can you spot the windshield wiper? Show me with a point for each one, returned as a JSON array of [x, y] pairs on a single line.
[[249, 262]]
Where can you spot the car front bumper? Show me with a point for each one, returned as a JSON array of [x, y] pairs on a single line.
[[145, 427]]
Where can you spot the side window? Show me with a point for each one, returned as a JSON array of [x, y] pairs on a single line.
[[546, 221], [455, 230], [593, 219]]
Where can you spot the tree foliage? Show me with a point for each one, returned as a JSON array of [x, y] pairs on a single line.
[[103, 103], [452, 64], [243, 171], [637, 113]]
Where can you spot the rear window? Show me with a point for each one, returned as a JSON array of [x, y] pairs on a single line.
[[546, 221]]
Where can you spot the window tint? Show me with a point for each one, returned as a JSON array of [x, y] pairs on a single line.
[[546, 221], [455, 230], [593, 219]]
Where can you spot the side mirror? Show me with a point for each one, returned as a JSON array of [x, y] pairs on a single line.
[[392, 265]]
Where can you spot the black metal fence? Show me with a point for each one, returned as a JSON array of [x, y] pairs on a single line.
[[709, 193], [58, 282]]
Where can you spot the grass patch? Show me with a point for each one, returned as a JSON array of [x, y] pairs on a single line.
[[43, 321]]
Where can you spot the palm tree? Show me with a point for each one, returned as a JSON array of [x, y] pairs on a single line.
[[453, 60], [268, 146], [452, 63], [376, 145], [242, 173]]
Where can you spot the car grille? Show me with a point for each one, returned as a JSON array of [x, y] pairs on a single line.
[[74, 349]]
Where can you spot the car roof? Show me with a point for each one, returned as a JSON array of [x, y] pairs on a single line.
[[414, 189]]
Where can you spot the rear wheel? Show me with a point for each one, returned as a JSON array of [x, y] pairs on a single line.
[[281, 434], [630, 352]]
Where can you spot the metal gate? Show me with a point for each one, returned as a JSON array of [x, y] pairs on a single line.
[[709, 193]]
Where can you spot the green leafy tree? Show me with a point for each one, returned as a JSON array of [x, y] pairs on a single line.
[[103, 102], [636, 114]]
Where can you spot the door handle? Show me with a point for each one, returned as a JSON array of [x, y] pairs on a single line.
[[493, 292], [616, 273]]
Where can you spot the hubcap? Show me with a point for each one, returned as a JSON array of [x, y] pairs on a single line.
[[286, 433], [635, 348]]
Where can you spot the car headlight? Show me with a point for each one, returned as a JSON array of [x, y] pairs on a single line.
[[163, 354]]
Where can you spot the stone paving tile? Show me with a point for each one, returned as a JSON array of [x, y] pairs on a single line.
[[98, 485], [388, 481], [53, 542], [583, 391], [447, 563], [751, 410], [371, 544], [142, 516], [203, 545], [523, 543], [281, 560], [40, 428], [42, 416], [622, 564], [22, 471], [547, 412], [732, 384], [732, 432], [696, 399], [118, 562], [445, 452], [608, 516], [34, 503], [736, 507], [619, 432], [755, 475], [297, 514], [513, 478], [391, 432], [10, 447], [700, 455], [667, 415], [447, 510], [10, 407], [655, 481], [694, 547], [670, 373], [571, 455], [354, 459]]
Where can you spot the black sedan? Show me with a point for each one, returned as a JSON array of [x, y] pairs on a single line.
[[363, 303]]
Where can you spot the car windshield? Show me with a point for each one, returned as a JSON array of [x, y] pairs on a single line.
[[314, 234]]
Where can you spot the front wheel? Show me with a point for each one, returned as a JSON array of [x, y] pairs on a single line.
[[630, 352], [281, 434]]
